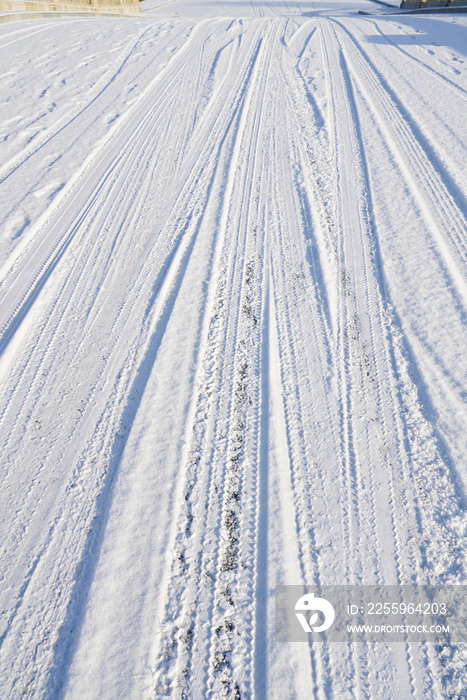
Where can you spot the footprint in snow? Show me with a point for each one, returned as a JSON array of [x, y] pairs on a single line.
[[50, 190], [25, 137], [110, 118], [16, 225]]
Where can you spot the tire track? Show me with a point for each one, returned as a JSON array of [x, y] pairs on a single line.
[[232, 660], [455, 275], [66, 538], [189, 194], [437, 205], [392, 425], [306, 457], [100, 162], [442, 79], [123, 403], [135, 150], [96, 92], [98, 216], [84, 270], [297, 272], [365, 385], [196, 177], [217, 479], [342, 151], [422, 104]]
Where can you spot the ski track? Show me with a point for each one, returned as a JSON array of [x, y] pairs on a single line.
[[208, 358]]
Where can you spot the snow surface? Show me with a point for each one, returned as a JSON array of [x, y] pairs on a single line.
[[233, 287]]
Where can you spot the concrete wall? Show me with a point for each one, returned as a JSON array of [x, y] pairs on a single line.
[[427, 4], [113, 6]]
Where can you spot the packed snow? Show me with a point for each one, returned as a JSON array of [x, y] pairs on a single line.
[[233, 285]]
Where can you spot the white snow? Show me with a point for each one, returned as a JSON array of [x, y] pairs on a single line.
[[233, 286]]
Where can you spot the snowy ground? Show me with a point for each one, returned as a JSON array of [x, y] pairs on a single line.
[[233, 283]]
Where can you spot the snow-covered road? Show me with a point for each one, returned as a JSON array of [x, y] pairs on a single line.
[[233, 292]]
